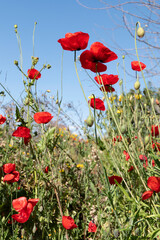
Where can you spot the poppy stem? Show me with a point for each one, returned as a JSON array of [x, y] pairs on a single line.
[[95, 120]]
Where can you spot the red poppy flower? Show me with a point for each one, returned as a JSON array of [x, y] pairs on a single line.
[[9, 167], [106, 79], [112, 178], [147, 195], [42, 117], [74, 41], [153, 163], [107, 88], [143, 157], [92, 227], [46, 169], [68, 222], [33, 74], [24, 208], [2, 119], [127, 155], [130, 169], [155, 130], [156, 146], [154, 184], [11, 177], [97, 103], [21, 132], [94, 58], [136, 66]]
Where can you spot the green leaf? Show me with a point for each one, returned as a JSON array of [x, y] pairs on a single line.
[[124, 191]]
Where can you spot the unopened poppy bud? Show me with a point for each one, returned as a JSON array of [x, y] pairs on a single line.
[[137, 85], [146, 140], [16, 62], [44, 65], [140, 32], [89, 121], [48, 66], [123, 57], [15, 26]]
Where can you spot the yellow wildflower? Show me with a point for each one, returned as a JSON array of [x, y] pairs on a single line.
[[80, 166], [119, 111], [138, 96], [10, 145], [120, 98], [112, 99], [62, 170], [49, 235]]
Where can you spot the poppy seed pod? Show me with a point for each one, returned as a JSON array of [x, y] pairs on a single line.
[[140, 32]]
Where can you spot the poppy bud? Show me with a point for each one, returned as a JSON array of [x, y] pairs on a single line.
[[137, 85], [48, 66], [89, 121], [16, 62], [140, 32], [123, 57], [15, 26], [146, 140]]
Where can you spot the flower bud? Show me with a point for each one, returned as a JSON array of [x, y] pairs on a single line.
[[16, 62], [140, 32], [137, 85], [15, 26], [123, 57], [89, 121], [48, 66]]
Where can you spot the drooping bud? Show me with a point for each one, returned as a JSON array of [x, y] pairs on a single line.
[[89, 121], [140, 32], [16, 62]]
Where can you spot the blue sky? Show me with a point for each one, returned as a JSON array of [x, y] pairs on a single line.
[[54, 19]]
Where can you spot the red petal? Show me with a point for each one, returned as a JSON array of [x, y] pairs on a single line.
[[19, 204], [21, 217], [97, 103], [33, 201], [112, 178], [153, 183], [42, 117], [102, 53], [107, 88], [74, 41], [92, 227], [22, 132], [68, 222], [33, 74], [106, 79], [146, 195], [136, 66], [9, 167], [8, 178], [2, 119]]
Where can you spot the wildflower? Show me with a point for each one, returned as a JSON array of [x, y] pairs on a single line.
[[112, 178], [154, 184], [24, 208], [2, 119], [92, 227], [94, 58], [155, 130], [12, 176], [119, 111], [156, 146], [106, 79], [144, 158], [112, 99], [33, 74], [118, 138], [136, 66], [74, 41], [130, 169], [127, 155], [68, 222], [80, 165], [120, 98], [42, 117], [27, 139], [138, 96], [153, 163], [22, 132], [46, 169], [62, 170], [97, 103]]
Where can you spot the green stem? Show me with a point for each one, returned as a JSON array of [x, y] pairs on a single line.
[[33, 36]]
